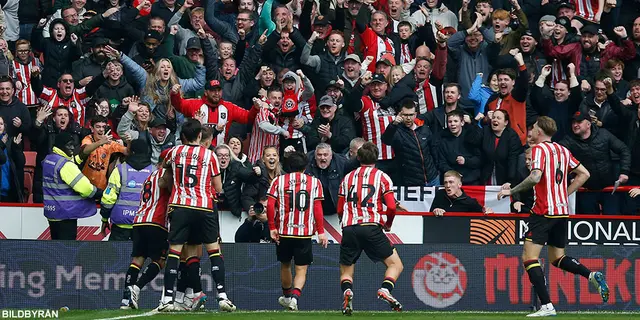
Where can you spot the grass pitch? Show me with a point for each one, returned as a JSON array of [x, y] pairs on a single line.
[[322, 315]]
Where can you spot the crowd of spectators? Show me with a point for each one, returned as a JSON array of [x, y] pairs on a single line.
[[436, 85]]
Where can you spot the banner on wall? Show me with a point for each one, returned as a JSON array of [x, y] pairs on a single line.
[[436, 277]]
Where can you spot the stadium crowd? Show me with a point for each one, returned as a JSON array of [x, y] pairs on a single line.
[[436, 85]]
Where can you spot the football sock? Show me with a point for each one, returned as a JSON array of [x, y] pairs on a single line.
[[130, 279], [171, 273], [183, 277], [388, 283], [572, 265], [345, 284], [149, 273], [193, 267], [286, 292], [217, 271], [536, 276], [296, 293]]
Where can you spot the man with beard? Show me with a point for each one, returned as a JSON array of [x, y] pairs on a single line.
[[327, 65], [26, 66], [565, 102], [90, 65], [436, 119], [329, 127], [266, 131], [351, 74], [455, 152], [453, 199], [211, 109], [98, 148], [43, 135]]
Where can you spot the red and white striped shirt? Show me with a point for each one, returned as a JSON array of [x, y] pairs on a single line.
[[587, 9], [193, 170], [376, 46], [153, 202], [76, 102], [363, 190], [259, 138], [23, 74], [374, 122], [295, 194], [550, 194]]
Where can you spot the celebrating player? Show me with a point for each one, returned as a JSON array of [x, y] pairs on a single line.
[[294, 211], [194, 173], [550, 166], [360, 203], [149, 237]]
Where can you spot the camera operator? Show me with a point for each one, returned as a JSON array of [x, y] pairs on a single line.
[[255, 228]]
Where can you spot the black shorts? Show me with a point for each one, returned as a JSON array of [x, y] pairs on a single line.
[[193, 226], [551, 231], [298, 249], [369, 238], [149, 242]]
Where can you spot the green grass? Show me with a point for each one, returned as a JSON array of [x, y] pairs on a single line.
[[281, 315]]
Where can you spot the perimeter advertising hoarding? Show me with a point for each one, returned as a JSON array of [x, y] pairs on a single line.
[[90, 275], [510, 230]]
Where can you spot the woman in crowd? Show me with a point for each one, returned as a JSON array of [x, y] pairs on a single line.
[[269, 168], [233, 174], [11, 166], [236, 147], [136, 119]]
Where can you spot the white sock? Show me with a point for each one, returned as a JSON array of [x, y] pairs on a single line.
[[125, 302], [189, 292], [222, 296], [167, 299], [180, 297]]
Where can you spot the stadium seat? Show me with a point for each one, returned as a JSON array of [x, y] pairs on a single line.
[[30, 161]]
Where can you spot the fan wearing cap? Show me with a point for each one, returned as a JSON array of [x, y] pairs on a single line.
[[90, 65], [534, 59], [375, 39], [596, 54], [321, 26], [211, 109], [558, 44], [593, 147], [329, 127]]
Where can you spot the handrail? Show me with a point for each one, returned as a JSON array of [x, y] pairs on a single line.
[[514, 215]]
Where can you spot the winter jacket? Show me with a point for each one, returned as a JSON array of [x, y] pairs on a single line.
[[253, 192], [416, 152], [436, 119], [546, 105], [15, 109], [58, 56], [184, 34], [87, 66], [278, 60], [234, 89], [463, 203], [342, 131], [16, 159], [594, 153], [469, 63], [630, 128], [450, 147], [325, 65], [501, 158], [605, 114], [479, 95], [116, 93], [515, 104], [232, 179], [331, 177]]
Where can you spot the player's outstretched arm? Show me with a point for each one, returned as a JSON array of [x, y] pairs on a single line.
[[582, 175], [534, 177]]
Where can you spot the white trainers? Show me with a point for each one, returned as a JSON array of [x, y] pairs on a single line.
[[165, 306], [386, 296], [135, 296], [180, 306], [197, 300], [284, 301], [546, 310], [598, 281], [293, 304], [226, 305]]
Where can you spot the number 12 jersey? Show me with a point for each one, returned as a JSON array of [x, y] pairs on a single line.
[[193, 170], [363, 191]]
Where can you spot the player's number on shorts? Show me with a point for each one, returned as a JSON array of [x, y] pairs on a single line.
[[299, 200], [189, 173], [368, 190]]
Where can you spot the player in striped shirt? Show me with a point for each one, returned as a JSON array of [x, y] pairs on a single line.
[[551, 164], [194, 174], [294, 211], [149, 237], [362, 196]]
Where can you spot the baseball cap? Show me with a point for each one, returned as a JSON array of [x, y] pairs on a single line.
[[378, 77], [212, 85], [353, 57], [527, 34], [579, 116], [334, 84], [99, 41], [566, 23], [321, 21], [288, 76], [590, 28], [156, 122], [152, 34], [548, 18], [194, 43], [326, 101], [566, 4], [387, 59]]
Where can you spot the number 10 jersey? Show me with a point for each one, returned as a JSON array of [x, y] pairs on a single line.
[[295, 194], [193, 170], [363, 191]]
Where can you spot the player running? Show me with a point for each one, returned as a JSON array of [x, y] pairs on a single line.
[[194, 173], [149, 237], [294, 211], [361, 197], [550, 165]]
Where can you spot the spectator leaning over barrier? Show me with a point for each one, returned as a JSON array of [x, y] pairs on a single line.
[[121, 199], [453, 199], [330, 168], [592, 146], [270, 168], [233, 174], [68, 194], [98, 148], [416, 148]]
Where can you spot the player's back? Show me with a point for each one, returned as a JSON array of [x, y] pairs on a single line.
[[295, 194], [193, 170], [153, 201], [363, 190], [550, 194]]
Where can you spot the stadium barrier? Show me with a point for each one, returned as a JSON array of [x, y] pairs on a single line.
[[90, 275]]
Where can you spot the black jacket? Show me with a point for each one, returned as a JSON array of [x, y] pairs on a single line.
[[416, 153], [331, 177], [450, 147], [15, 109], [503, 157], [232, 179], [594, 153], [630, 128], [463, 203], [342, 132], [86, 66], [436, 119], [253, 192], [58, 55], [273, 56], [605, 114], [16, 159], [253, 231], [545, 104]]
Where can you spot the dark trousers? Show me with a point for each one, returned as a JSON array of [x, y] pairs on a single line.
[[64, 229], [119, 234], [598, 202]]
